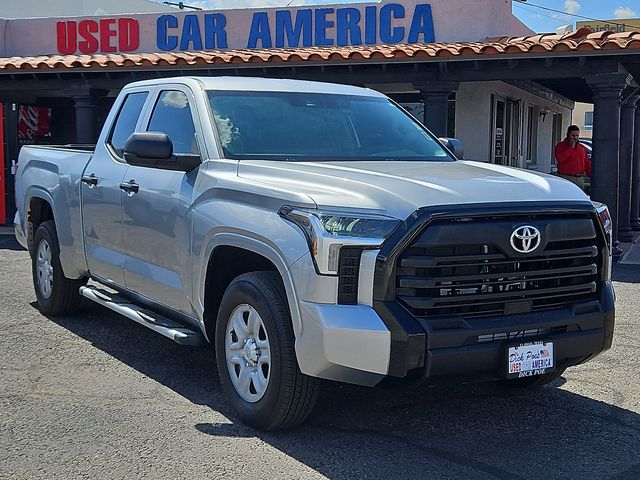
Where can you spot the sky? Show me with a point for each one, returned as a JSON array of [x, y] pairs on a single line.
[[535, 18], [545, 21]]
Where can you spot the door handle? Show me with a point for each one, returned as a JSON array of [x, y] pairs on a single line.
[[90, 180], [130, 187]]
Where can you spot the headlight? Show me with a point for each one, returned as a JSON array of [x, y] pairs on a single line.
[[604, 216], [327, 231], [605, 220]]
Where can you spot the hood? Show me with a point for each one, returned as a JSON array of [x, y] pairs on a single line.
[[399, 188]]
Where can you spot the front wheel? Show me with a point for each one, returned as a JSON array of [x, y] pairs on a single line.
[[255, 354], [56, 294]]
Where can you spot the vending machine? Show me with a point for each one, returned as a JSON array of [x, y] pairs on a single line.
[[19, 125], [4, 172]]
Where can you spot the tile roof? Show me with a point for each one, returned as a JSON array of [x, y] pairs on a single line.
[[582, 41]]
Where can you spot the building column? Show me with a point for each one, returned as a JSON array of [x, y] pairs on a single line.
[[607, 89], [436, 104], [86, 119], [635, 184], [627, 120]]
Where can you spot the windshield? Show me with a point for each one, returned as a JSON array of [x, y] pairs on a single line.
[[318, 127]]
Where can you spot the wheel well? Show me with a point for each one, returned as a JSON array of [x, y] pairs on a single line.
[[225, 264], [39, 211]]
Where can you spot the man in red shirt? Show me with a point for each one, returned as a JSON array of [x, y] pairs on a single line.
[[572, 160]]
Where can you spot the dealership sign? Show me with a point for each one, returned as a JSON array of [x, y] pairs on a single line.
[[618, 25], [311, 27], [344, 25]]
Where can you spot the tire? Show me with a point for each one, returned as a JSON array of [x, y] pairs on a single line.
[[56, 294], [536, 381], [268, 392]]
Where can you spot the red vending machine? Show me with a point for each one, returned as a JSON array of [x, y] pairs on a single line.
[[25, 125], [3, 172]]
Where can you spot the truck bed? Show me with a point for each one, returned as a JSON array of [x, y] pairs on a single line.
[[52, 174]]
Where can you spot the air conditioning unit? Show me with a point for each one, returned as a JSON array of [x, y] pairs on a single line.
[[563, 30]]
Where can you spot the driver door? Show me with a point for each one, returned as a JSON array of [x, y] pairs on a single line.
[[158, 214]]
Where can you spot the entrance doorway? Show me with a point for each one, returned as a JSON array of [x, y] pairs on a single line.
[[506, 131]]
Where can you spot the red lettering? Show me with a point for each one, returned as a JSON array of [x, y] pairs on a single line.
[[106, 33], [86, 30], [88, 36], [129, 34], [67, 40]]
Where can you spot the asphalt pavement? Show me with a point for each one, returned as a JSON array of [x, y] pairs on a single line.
[[98, 396]]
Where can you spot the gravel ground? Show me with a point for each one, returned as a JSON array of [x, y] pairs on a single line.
[[98, 396]]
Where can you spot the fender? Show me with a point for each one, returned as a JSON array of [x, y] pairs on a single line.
[[262, 246], [31, 193], [37, 192], [73, 264]]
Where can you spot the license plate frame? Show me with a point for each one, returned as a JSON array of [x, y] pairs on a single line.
[[529, 359]]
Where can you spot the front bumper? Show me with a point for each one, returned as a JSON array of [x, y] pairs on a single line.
[[363, 345], [346, 343], [20, 235], [475, 349]]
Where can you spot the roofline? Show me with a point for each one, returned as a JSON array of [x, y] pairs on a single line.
[[583, 44], [310, 63]]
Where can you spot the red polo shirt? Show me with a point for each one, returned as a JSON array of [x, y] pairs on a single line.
[[572, 160]]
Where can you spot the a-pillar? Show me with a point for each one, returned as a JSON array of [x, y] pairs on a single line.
[[436, 104], [607, 89], [627, 121], [86, 119], [635, 184]]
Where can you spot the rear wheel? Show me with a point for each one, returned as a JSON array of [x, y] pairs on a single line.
[[255, 354], [56, 294]]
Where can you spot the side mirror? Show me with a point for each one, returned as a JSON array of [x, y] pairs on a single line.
[[146, 148], [155, 150], [455, 146]]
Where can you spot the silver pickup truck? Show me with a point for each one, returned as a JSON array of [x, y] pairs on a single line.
[[315, 231]]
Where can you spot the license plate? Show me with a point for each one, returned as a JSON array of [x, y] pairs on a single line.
[[528, 359]]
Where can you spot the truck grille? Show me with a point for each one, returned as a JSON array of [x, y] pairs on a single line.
[[467, 268]]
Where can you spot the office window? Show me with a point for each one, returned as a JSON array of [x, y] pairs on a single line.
[[588, 121]]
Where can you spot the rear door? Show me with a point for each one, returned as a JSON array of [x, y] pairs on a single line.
[[101, 194], [158, 216]]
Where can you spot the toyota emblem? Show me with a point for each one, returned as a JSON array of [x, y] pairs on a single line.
[[525, 239]]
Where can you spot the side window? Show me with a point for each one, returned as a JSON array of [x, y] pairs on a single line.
[[125, 123], [172, 115]]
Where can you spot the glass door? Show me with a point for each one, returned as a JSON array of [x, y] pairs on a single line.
[[499, 114], [513, 136], [506, 132]]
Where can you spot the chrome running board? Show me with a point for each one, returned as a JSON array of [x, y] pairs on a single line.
[[154, 321]]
